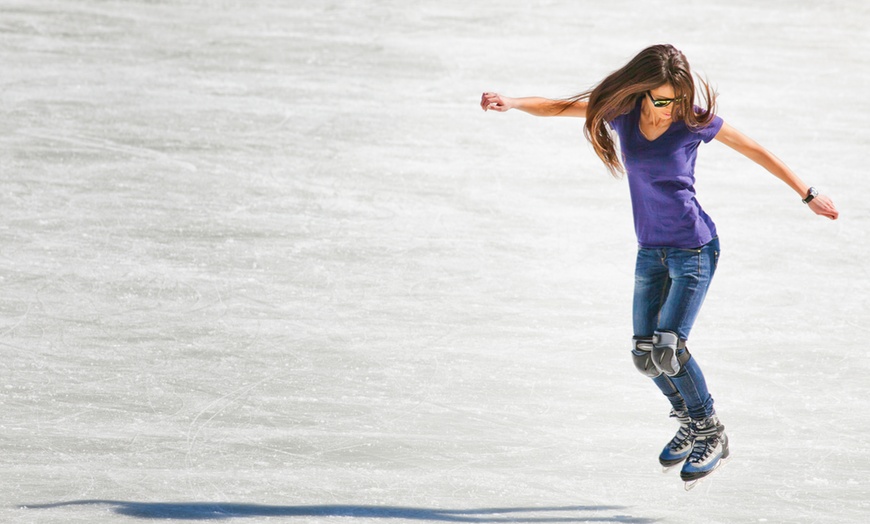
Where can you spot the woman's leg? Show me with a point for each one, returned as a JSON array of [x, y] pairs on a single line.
[[651, 285], [670, 287], [691, 272]]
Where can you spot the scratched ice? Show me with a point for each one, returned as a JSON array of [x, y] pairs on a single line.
[[268, 261]]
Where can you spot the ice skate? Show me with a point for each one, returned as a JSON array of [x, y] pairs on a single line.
[[676, 451], [709, 451]]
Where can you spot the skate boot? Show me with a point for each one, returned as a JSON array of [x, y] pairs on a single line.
[[709, 451], [676, 451]]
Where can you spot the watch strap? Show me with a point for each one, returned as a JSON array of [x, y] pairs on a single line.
[[811, 194]]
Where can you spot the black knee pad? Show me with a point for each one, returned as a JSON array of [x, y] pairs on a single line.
[[641, 354], [669, 353]]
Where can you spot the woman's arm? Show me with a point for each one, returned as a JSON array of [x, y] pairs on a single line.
[[821, 205], [533, 105]]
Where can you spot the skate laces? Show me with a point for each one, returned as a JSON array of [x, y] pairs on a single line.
[[684, 434], [707, 434]]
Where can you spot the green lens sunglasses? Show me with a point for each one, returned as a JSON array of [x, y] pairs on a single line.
[[661, 102]]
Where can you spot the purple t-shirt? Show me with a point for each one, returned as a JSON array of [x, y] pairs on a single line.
[[661, 179]]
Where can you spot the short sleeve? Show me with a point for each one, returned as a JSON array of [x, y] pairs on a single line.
[[618, 123], [709, 132]]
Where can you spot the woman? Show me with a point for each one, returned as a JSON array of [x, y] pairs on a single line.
[[650, 105]]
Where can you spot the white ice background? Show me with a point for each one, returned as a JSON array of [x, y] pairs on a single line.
[[267, 260]]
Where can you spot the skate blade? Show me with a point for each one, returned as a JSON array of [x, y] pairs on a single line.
[[691, 484], [667, 469]]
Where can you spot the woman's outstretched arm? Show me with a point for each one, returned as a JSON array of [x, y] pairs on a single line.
[[821, 205], [533, 105]]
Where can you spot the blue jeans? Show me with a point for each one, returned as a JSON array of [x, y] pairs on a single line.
[[669, 287]]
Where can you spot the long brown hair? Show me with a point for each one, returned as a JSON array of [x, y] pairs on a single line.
[[618, 93]]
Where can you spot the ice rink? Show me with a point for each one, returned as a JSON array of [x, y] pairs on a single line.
[[268, 261]]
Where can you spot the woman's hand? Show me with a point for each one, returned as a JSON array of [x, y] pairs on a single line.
[[496, 102], [824, 206]]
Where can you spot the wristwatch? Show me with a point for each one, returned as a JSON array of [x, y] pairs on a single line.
[[811, 194]]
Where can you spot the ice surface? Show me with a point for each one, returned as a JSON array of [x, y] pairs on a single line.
[[268, 261]]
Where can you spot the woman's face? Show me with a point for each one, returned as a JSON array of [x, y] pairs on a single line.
[[661, 101]]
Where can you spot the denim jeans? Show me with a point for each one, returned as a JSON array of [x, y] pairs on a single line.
[[669, 287]]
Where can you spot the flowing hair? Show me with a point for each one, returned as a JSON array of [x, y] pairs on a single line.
[[618, 93]]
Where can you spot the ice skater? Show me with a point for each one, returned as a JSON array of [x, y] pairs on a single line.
[[650, 106]]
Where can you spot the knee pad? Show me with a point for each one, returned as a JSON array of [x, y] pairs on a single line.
[[669, 353], [641, 354]]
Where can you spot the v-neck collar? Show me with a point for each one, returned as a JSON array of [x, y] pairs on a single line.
[[651, 140]]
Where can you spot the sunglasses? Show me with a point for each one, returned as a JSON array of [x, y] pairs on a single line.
[[661, 102]]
